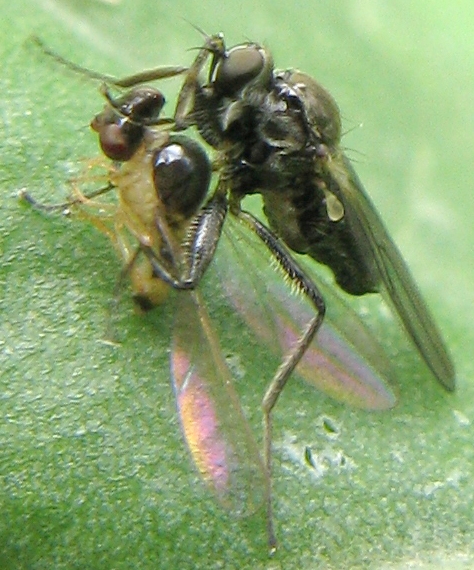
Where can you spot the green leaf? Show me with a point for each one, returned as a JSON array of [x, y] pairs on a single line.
[[93, 470]]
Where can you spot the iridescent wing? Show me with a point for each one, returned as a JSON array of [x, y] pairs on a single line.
[[397, 282], [345, 360], [216, 431]]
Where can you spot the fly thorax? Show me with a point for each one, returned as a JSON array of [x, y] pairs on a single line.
[[321, 112], [281, 127]]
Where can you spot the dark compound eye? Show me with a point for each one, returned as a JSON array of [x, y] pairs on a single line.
[[182, 173], [238, 67], [121, 125], [142, 105]]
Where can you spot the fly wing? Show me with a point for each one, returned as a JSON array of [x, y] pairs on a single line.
[[396, 280], [345, 360], [215, 429]]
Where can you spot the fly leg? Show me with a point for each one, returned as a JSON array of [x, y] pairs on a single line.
[[198, 248], [214, 46], [200, 245], [289, 363], [154, 74]]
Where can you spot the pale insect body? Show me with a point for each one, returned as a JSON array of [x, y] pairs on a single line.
[[160, 181], [131, 220], [136, 213]]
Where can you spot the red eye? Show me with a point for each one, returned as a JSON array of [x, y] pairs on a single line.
[[121, 125]]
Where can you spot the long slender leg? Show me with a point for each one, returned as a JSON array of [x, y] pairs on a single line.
[[64, 205], [200, 246], [129, 81], [276, 386]]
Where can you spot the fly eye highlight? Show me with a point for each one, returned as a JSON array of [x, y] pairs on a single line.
[[181, 174], [237, 68], [121, 125]]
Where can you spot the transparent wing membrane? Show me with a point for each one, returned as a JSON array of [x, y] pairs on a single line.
[[345, 360], [213, 424], [398, 284]]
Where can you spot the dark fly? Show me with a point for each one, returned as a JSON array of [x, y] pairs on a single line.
[[278, 134]]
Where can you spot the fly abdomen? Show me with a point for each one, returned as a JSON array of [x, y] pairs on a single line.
[[300, 217]]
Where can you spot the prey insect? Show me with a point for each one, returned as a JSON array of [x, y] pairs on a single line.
[[276, 134]]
